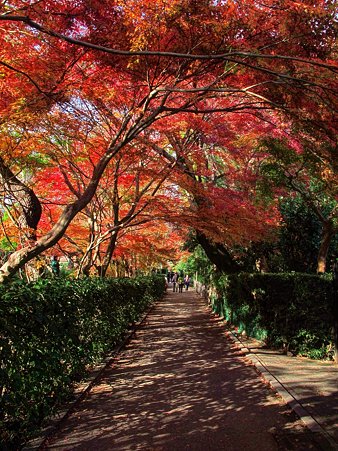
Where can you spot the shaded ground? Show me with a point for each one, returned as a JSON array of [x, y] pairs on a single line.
[[313, 383], [181, 385]]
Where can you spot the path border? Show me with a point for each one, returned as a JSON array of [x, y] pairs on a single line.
[[290, 398], [83, 388], [277, 386]]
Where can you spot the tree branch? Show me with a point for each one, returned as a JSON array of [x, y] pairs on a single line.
[[223, 56]]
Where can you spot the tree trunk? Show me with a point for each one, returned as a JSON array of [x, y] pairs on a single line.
[[20, 257], [109, 254], [25, 197], [328, 232], [217, 254]]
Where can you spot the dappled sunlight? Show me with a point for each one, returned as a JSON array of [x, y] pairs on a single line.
[[313, 383], [181, 384]]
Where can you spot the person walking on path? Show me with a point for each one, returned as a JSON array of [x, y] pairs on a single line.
[[187, 282], [180, 284], [174, 281]]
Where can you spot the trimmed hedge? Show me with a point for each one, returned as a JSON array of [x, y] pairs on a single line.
[[50, 332], [294, 311]]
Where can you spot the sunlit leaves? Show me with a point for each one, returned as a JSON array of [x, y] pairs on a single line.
[[130, 136]]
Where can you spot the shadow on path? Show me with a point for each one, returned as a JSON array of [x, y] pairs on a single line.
[[313, 383], [181, 385]]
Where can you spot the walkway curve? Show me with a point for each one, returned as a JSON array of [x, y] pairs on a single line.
[[180, 384]]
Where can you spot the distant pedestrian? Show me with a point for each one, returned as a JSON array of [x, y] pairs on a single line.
[[55, 265], [174, 281], [180, 284], [187, 282]]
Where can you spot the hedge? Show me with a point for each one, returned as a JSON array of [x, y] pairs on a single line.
[[50, 332], [293, 310]]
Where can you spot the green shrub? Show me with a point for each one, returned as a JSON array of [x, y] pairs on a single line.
[[293, 310], [50, 331]]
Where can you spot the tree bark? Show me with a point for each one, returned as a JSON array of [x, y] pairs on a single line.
[[109, 254], [328, 232], [20, 257], [21, 194], [217, 254]]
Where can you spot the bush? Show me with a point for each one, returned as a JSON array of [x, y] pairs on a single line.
[[292, 310], [50, 331]]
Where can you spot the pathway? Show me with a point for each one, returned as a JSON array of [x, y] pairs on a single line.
[[181, 384]]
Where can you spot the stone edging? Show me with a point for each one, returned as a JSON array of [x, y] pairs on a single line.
[[284, 393]]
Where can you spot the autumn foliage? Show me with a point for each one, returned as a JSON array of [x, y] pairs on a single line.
[[125, 124]]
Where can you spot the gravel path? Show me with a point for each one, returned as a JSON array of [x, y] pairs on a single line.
[[181, 385]]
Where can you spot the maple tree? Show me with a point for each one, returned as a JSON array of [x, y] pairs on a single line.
[[106, 74], [220, 180], [130, 195], [146, 248]]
